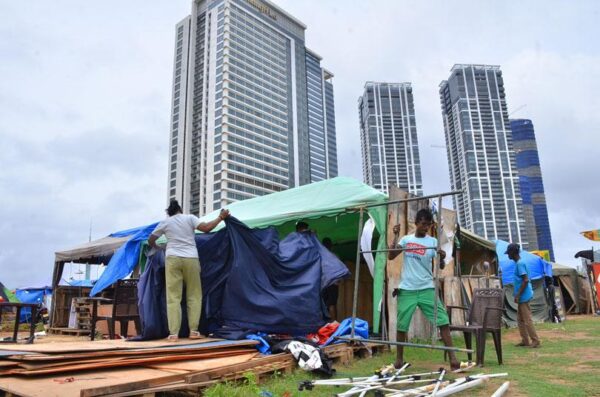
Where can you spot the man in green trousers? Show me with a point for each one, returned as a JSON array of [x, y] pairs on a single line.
[[182, 265]]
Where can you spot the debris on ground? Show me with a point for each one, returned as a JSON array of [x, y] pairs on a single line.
[[391, 382]]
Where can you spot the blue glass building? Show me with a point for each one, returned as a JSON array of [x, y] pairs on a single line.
[[535, 210]]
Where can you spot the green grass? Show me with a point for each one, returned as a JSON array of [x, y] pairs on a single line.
[[567, 364]]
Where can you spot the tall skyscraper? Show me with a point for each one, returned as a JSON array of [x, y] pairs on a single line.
[[535, 210], [252, 109], [388, 135], [481, 158]]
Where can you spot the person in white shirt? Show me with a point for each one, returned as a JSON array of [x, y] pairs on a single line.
[[182, 265]]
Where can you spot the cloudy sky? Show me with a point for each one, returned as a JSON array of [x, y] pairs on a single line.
[[85, 95]]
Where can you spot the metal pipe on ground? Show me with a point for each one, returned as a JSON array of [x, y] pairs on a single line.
[[501, 390], [449, 390], [406, 344]]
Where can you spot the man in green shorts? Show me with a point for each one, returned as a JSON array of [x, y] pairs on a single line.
[[416, 286]]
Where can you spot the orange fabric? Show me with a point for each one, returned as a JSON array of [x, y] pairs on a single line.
[[324, 332]]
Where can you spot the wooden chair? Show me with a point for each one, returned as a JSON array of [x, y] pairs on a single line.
[[124, 309], [485, 315]]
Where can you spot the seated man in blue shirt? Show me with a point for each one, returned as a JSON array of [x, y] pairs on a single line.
[[523, 293]]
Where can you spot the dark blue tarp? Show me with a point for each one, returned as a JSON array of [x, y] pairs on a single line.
[[125, 259], [538, 268], [250, 281], [31, 295]]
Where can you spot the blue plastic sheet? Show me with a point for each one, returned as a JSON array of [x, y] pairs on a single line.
[[125, 259], [250, 281], [31, 295], [538, 268], [361, 330]]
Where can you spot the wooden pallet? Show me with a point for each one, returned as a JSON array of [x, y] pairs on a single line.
[[69, 331], [342, 353]]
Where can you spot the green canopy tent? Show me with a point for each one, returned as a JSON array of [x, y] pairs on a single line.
[[331, 208]]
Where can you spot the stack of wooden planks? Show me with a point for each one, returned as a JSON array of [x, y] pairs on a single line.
[[67, 369]]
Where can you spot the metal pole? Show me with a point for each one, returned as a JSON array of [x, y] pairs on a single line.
[[407, 344], [396, 249], [357, 271], [435, 272], [414, 199]]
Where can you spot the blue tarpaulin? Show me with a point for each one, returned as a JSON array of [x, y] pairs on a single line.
[[538, 268], [31, 295], [124, 260], [250, 281]]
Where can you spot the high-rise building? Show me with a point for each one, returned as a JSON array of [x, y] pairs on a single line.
[[252, 109], [388, 135], [535, 210], [481, 158]]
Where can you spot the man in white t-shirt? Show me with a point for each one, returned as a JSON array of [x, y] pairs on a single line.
[[182, 265]]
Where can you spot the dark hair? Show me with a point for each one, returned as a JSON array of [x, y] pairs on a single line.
[[174, 208], [301, 226], [424, 214]]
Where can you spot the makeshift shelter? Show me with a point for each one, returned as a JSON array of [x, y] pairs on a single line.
[[37, 295], [574, 288], [96, 252], [331, 208], [251, 282], [540, 272]]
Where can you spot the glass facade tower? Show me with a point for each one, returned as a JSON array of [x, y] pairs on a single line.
[[535, 210], [388, 136], [251, 114], [481, 158]]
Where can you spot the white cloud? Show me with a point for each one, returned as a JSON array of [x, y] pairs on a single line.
[[84, 104]]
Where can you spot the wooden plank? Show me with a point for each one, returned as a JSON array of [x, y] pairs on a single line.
[[142, 385], [282, 358], [101, 345], [396, 215], [222, 344], [50, 386], [125, 362], [453, 297]]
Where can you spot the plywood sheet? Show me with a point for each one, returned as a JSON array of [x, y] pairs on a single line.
[[100, 345], [50, 386], [112, 363], [178, 349]]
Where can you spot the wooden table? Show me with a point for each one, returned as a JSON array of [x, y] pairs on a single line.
[[34, 308]]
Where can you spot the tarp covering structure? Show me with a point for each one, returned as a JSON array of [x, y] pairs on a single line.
[[330, 206], [103, 247], [125, 259], [251, 281], [539, 270], [31, 295], [575, 288]]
